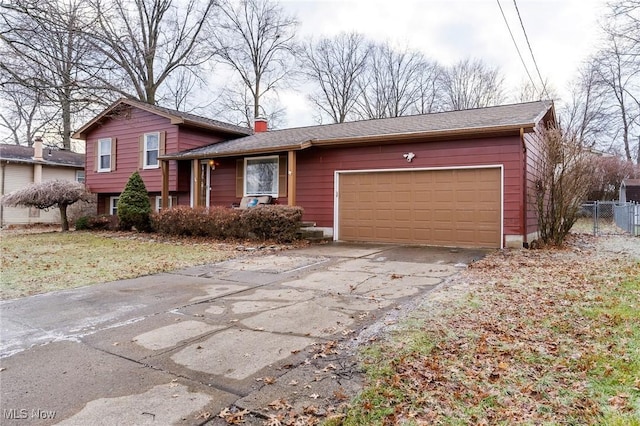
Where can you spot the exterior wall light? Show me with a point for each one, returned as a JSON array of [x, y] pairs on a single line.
[[409, 156]]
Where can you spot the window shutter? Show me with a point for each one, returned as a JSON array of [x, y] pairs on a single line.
[[141, 150], [96, 155], [282, 176], [239, 177], [113, 154]]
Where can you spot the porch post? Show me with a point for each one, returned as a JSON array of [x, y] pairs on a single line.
[[291, 178], [164, 164], [195, 166]]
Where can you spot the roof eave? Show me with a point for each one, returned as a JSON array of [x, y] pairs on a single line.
[[256, 151], [355, 140], [450, 133], [173, 119]]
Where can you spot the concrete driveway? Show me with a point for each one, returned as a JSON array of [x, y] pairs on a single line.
[[179, 347]]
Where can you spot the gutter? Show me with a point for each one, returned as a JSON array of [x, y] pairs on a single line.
[[392, 137]]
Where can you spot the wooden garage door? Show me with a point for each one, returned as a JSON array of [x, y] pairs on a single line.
[[458, 207]]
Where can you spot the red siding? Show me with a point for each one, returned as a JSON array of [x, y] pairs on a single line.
[[127, 128], [533, 154], [316, 167], [316, 170], [223, 183]]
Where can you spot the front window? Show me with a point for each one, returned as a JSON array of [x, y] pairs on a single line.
[[113, 205], [80, 176], [261, 176], [151, 150], [104, 155]]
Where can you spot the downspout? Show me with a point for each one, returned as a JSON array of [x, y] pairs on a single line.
[[525, 213]]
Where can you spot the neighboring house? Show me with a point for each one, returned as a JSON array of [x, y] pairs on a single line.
[[461, 178], [23, 165], [129, 136], [630, 191]]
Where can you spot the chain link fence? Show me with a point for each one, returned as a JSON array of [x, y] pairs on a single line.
[[610, 217]]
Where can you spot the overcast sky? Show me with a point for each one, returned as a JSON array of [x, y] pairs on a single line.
[[562, 33]]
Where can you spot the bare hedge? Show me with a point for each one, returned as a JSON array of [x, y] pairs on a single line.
[[273, 222]]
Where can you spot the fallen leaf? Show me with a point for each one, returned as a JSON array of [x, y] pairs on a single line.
[[314, 396], [232, 416]]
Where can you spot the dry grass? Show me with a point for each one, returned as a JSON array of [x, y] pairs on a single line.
[[37, 262], [536, 337]]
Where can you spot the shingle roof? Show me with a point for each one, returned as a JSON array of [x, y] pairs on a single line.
[[505, 117], [176, 117], [52, 157]]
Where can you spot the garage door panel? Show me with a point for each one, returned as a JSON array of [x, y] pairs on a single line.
[[440, 207]]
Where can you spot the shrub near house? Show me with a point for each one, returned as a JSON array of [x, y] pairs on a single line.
[[134, 209], [273, 222]]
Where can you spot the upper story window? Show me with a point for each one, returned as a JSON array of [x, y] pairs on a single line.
[[151, 150], [261, 176], [105, 155]]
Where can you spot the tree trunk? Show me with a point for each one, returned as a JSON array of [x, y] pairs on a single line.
[[63, 217]]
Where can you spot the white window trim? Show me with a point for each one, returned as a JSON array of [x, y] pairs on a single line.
[[159, 202], [246, 181], [111, 203], [80, 173], [146, 151], [101, 154]]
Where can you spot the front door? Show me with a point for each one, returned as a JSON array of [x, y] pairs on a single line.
[[204, 189]]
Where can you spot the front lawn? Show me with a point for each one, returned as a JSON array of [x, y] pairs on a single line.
[[35, 263], [522, 337]]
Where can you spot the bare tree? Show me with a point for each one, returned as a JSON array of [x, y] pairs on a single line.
[[236, 105], [143, 42], [256, 39], [608, 172], [430, 93], [616, 77], [23, 113], [472, 84], [620, 76], [43, 51], [586, 114], [564, 179], [335, 65], [390, 87], [626, 13], [45, 195]]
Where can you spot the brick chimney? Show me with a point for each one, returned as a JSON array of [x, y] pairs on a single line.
[[37, 148], [260, 125]]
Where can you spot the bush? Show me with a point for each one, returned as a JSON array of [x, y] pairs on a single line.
[[82, 208], [272, 222], [278, 223], [217, 222], [95, 223], [134, 208]]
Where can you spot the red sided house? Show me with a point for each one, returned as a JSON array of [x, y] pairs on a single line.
[[461, 178], [131, 135]]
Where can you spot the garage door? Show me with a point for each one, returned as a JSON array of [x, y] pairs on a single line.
[[459, 207]]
